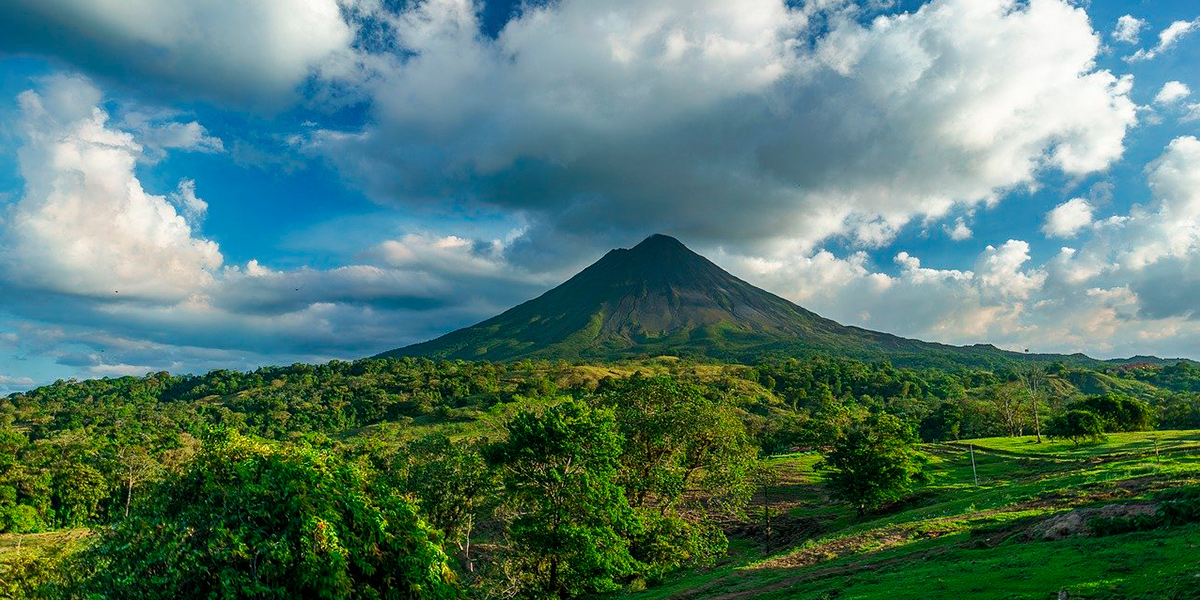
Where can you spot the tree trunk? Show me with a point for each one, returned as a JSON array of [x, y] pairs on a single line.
[[767, 516], [128, 495]]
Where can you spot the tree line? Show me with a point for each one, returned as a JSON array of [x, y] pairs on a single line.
[[419, 479]]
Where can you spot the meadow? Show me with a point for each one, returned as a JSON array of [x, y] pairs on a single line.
[[956, 539]]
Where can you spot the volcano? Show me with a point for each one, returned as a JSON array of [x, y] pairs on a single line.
[[660, 298]]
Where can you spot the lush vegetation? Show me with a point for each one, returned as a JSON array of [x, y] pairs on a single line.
[[1026, 531], [409, 478]]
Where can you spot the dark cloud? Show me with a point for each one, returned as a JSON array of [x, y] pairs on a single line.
[[256, 53], [732, 124]]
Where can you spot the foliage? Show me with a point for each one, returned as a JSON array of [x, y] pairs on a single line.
[[676, 439], [1118, 413], [1180, 507], [872, 461], [453, 487], [407, 435], [1076, 425], [560, 477], [249, 520], [945, 423], [686, 454]]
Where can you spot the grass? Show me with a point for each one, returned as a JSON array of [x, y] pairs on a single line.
[[13, 544], [954, 539]]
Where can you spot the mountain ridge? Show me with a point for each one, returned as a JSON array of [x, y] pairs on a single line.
[[661, 298]]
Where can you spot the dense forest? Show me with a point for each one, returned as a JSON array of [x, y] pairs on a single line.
[[409, 478]]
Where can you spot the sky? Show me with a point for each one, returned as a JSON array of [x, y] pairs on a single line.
[[205, 184]]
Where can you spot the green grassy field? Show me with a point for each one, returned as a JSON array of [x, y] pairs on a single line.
[[958, 540]]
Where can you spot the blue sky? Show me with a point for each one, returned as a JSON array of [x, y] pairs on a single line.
[[187, 186]]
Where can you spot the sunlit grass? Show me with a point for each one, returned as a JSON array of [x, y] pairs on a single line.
[[957, 539]]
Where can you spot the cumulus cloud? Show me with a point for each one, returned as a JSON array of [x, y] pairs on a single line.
[[603, 117], [1128, 29], [1167, 39], [1172, 92], [84, 224], [257, 52], [761, 127], [1130, 288], [113, 279], [1069, 218], [945, 305], [960, 231]]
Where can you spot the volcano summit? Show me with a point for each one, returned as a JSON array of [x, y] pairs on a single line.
[[661, 298]]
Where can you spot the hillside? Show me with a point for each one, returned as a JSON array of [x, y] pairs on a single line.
[[660, 298], [1025, 531], [81, 456]]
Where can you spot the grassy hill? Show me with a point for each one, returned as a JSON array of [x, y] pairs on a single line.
[[1021, 533]]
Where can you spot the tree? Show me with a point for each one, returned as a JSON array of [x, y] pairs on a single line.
[[1076, 425], [685, 455], [247, 519], [1033, 378], [136, 466], [1117, 412], [453, 486], [944, 423], [677, 439], [872, 461], [559, 471]]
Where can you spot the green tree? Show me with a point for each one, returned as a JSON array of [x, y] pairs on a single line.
[[944, 423], [1076, 425], [679, 440], [1118, 412], [685, 455], [250, 520], [871, 461], [559, 471], [453, 485]]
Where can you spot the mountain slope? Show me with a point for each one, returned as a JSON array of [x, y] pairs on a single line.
[[659, 298]]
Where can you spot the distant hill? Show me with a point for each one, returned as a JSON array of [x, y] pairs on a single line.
[[660, 298]]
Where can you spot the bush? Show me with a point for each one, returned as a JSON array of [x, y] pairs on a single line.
[[1177, 507]]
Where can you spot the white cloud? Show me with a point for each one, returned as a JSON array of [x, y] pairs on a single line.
[[160, 133], [1000, 275], [9, 384], [604, 116], [944, 305], [1169, 227], [1167, 39], [1130, 288], [960, 231], [258, 51], [187, 203], [1069, 218], [84, 225], [1172, 92], [1128, 29], [118, 279]]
